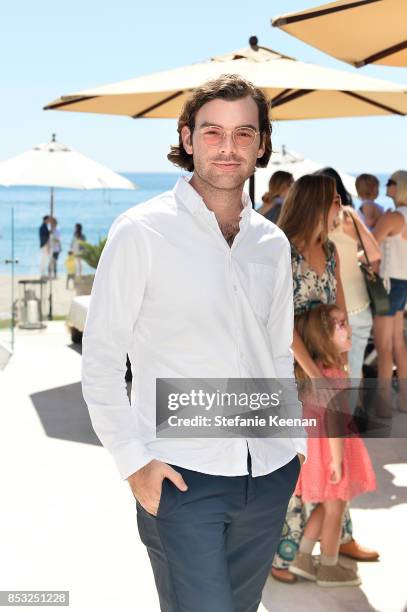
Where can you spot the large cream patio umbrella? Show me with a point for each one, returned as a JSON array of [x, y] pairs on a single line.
[[297, 165], [297, 90], [360, 33]]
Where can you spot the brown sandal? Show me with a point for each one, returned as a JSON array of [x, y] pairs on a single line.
[[283, 575]]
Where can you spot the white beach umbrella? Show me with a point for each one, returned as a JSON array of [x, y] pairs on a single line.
[[56, 165], [297, 165]]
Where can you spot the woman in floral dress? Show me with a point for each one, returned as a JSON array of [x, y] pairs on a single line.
[[309, 213]]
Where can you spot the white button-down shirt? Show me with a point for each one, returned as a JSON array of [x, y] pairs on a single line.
[[171, 293]]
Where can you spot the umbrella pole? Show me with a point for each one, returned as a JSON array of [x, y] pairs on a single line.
[[49, 266], [12, 279], [251, 189], [12, 261], [52, 202]]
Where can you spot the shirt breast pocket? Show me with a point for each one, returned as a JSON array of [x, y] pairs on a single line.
[[261, 283]]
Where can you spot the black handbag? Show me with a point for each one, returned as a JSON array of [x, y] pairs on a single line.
[[378, 296]]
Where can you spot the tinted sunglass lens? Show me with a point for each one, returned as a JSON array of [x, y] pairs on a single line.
[[244, 137]]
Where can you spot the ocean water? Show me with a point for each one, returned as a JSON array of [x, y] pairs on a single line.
[[95, 209]]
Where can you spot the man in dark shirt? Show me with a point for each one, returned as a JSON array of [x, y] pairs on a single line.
[[44, 234]]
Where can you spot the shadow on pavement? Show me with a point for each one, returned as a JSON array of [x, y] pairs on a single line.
[[307, 596], [77, 347], [383, 452], [64, 414]]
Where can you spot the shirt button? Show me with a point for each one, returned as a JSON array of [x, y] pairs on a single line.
[[234, 287]]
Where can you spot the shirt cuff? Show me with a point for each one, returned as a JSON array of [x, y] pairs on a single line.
[[131, 458]]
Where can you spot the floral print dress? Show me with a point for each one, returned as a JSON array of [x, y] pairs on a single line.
[[310, 290]]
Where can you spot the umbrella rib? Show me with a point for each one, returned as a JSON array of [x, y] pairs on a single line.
[[158, 104], [280, 21], [68, 102], [279, 101], [280, 95], [381, 54], [389, 109]]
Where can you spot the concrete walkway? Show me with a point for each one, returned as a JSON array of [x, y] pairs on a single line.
[[69, 522]]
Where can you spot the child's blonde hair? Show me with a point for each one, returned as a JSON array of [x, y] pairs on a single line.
[[316, 328]]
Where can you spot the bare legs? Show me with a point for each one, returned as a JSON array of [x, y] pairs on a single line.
[[391, 349], [383, 340], [78, 266], [325, 522], [400, 357]]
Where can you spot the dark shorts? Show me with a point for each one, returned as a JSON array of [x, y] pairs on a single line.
[[398, 296]]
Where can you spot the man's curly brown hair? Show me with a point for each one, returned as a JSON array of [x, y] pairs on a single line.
[[226, 87]]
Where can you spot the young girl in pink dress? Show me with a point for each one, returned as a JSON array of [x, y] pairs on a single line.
[[337, 469]]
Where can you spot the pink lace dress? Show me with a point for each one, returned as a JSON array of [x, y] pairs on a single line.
[[357, 472]]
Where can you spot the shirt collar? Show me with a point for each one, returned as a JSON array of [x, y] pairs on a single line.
[[191, 199]]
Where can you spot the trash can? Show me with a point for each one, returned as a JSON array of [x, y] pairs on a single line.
[[32, 303]]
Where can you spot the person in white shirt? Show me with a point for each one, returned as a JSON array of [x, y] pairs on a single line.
[[196, 284], [56, 247], [388, 330]]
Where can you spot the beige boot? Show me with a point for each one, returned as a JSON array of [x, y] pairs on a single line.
[[303, 565], [336, 575]]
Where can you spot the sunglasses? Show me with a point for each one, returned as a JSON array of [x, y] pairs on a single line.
[[242, 136], [390, 182]]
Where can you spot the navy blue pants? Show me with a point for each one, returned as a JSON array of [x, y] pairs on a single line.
[[211, 547]]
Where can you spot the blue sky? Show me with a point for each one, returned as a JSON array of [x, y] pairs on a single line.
[[52, 48]]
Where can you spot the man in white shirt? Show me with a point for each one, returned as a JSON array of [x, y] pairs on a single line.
[[196, 284]]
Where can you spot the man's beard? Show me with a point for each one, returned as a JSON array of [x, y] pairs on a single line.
[[208, 174]]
